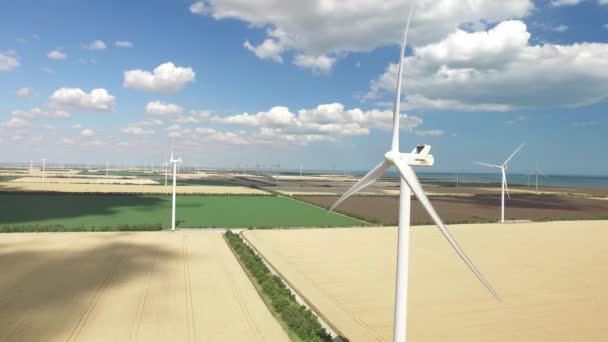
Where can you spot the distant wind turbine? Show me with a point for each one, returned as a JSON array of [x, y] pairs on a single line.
[[536, 173], [408, 183], [174, 162], [504, 186]]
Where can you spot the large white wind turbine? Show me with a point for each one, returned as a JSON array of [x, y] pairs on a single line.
[[504, 186], [174, 162], [408, 183]]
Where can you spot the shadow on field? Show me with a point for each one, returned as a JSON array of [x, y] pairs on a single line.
[[31, 207], [48, 295]]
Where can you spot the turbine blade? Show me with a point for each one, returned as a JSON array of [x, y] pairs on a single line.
[[545, 177], [367, 180], [397, 105], [410, 178], [488, 165], [512, 155]]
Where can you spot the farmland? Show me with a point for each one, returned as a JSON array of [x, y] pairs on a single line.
[[149, 286], [35, 211], [93, 187], [551, 277], [468, 209]]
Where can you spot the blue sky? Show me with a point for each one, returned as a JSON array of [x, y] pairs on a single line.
[[315, 80]]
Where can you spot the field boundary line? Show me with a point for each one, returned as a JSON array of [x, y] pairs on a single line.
[[325, 209], [335, 332], [249, 320], [292, 335]]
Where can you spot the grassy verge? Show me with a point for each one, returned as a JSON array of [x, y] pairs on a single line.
[[61, 228], [296, 317]]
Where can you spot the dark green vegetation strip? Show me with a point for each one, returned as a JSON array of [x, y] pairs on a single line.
[[8, 178], [296, 317], [84, 212], [61, 228]]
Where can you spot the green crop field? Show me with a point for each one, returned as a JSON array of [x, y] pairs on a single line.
[[40, 212]]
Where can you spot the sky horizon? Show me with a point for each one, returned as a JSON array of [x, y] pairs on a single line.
[[312, 84]]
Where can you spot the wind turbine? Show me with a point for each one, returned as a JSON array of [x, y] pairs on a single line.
[[503, 170], [536, 173], [43, 169], [174, 162], [408, 183]]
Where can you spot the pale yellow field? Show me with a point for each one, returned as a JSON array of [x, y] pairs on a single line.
[[116, 188], [157, 286], [344, 178], [86, 180], [551, 276]]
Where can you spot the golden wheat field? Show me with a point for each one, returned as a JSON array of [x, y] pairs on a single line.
[[156, 286], [551, 276]]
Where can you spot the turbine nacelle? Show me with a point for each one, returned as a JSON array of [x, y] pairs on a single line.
[[420, 156]]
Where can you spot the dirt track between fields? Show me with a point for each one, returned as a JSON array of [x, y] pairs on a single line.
[[161, 286]]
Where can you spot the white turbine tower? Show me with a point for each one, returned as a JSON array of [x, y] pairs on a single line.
[[174, 162], [504, 186], [408, 183]]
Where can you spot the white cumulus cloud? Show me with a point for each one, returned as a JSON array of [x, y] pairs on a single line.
[[87, 133], [123, 44], [166, 78], [57, 55], [327, 122], [318, 64], [498, 70], [337, 27], [137, 131], [199, 7], [430, 133], [40, 113], [9, 61], [96, 45], [560, 3], [16, 123], [164, 109], [25, 92], [76, 99]]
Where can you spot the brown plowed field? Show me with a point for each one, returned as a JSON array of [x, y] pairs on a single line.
[[480, 208]]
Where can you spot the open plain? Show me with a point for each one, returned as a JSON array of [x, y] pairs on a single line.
[[160, 286], [384, 210], [73, 212], [94, 187], [551, 277]]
